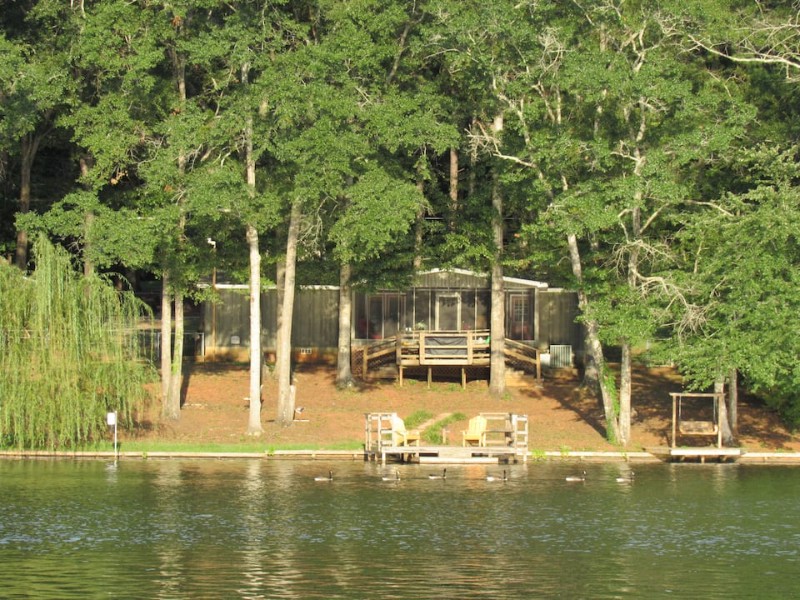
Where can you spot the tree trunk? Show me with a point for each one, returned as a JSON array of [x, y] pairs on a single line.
[[419, 224], [172, 370], [497, 346], [30, 145], [254, 421], [285, 395], [625, 387], [722, 418], [594, 347], [166, 345], [344, 375], [176, 375], [453, 220], [280, 283], [733, 403]]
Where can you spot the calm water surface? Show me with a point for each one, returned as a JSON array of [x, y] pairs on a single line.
[[266, 529]]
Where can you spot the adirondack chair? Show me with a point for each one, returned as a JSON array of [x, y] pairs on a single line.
[[402, 436], [476, 430]]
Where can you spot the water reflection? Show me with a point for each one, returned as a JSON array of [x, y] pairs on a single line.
[[260, 529]]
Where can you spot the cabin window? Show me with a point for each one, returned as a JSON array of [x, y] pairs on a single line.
[[483, 304], [421, 304], [380, 316]]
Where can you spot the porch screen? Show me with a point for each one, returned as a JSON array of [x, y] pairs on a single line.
[[379, 316]]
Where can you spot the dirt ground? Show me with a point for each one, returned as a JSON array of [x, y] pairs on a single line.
[[562, 417]]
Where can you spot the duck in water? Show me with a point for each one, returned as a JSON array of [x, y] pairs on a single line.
[[581, 477], [389, 478], [323, 478], [442, 476], [497, 478]]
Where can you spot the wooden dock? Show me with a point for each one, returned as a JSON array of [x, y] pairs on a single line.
[[701, 455], [448, 454], [505, 441]]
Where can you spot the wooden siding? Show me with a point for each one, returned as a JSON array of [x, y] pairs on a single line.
[[557, 314], [315, 322]]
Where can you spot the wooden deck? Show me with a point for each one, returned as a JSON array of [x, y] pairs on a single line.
[[435, 349], [442, 351]]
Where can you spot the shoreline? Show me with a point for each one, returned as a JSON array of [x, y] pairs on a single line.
[[656, 456]]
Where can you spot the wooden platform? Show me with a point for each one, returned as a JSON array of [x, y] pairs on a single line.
[[505, 441], [449, 352], [448, 454], [700, 455]]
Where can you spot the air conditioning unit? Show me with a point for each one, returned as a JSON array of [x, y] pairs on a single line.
[[561, 357]]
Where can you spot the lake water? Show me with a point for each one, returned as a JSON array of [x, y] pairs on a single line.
[[265, 529]]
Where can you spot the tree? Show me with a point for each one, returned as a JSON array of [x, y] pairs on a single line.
[[612, 133], [744, 258], [35, 84], [69, 351]]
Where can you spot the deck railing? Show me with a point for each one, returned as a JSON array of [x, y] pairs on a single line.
[[441, 349], [430, 348]]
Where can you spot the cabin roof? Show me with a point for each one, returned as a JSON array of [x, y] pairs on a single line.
[[463, 278], [432, 278]]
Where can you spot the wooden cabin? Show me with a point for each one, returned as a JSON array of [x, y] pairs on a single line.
[[439, 300]]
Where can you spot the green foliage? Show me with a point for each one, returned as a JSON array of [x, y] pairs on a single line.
[[621, 122], [69, 352], [746, 261], [433, 434], [416, 418], [381, 208]]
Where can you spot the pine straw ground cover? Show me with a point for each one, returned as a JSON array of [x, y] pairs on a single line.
[[562, 416]]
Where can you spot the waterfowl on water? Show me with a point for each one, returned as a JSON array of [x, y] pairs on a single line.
[[442, 476], [389, 478], [496, 478], [581, 477], [323, 478], [628, 479]]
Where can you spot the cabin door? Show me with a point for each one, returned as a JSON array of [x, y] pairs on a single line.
[[448, 312], [518, 318]]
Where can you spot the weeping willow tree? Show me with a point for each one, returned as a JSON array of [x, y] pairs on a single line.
[[69, 354]]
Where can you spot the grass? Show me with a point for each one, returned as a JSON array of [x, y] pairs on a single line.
[[433, 434], [538, 455], [416, 418], [245, 446]]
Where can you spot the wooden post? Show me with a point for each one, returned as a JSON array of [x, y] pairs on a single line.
[[674, 417], [365, 361]]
